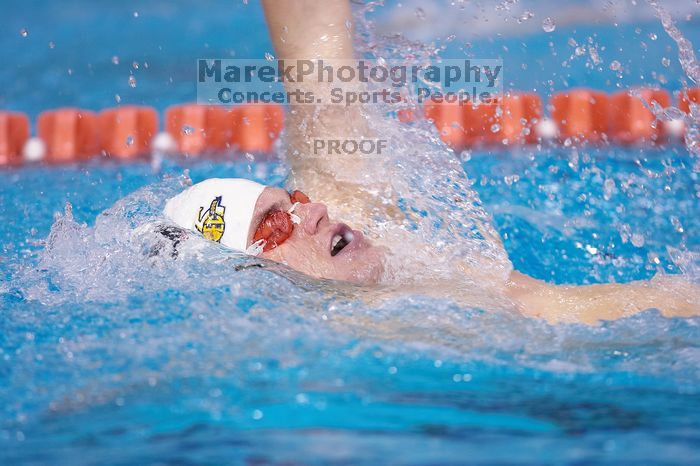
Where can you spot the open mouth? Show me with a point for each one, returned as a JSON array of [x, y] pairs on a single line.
[[341, 239]]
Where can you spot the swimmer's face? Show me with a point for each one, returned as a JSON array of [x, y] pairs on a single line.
[[317, 246]]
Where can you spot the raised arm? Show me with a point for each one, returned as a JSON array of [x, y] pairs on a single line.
[[310, 28], [313, 30]]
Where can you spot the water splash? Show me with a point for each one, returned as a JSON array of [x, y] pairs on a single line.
[[445, 227], [691, 67], [686, 52], [548, 24]]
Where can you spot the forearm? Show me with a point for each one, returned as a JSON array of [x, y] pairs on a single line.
[[314, 30], [318, 30], [310, 29], [671, 295]]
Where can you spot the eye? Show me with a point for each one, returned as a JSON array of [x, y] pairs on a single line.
[[298, 196], [275, 228]]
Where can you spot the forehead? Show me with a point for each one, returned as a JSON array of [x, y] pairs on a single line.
[[271, 197]]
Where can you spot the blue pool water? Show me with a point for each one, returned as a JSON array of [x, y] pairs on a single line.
[[111, 356]]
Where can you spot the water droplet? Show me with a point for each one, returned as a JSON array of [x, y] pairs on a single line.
[[580, 50], [677, 224], [129, 140], [510, 179], [52, 45], [525, 16], [608, 188], [115, 60], [637, 240], [24, 32], [666, 62], [187, 130], [652, 36], [117, 98], [132, 81], [450, 38], [495, 128], [548, 24], [257, 414], [572, 42], [615, 65], [420, 13], [269, 56], [135, 65], [593, 52], [136, 14]]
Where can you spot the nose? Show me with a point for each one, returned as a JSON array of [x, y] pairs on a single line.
[[312, 216]]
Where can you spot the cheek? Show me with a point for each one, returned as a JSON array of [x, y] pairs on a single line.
[[299, 253]]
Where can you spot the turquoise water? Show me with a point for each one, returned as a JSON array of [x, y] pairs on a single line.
[[112, 355]]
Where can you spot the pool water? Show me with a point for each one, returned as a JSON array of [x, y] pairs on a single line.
[[107, 354], [112, 355]]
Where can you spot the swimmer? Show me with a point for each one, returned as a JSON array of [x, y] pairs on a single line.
[[295, 229]]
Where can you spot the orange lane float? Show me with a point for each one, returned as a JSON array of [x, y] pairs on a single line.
[[448, 118], [14, 132], [199, 128], [578, 115], [631, 120], [405, 110], [687, 96], [256, 127], [70, 134], [477, 121], [511, 119], [581, 115], [126, 132], [406, 115]]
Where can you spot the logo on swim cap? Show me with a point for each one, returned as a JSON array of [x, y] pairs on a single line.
[[210, 223]]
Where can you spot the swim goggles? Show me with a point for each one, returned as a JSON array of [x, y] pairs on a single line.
[[277, 226]]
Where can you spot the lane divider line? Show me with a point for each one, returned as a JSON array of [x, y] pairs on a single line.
[[576, 117]]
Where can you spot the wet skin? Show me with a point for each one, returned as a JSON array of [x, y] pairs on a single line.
[[310, 248]]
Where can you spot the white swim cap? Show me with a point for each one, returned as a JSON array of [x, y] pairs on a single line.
[[219, 208]]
